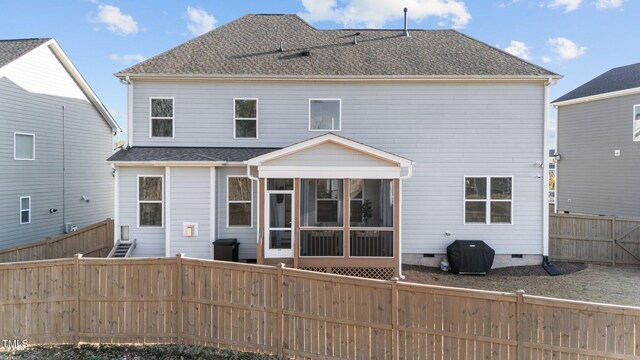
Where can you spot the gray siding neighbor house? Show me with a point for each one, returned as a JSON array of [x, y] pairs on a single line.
[[346, 151], [599, 145], [55, 135]]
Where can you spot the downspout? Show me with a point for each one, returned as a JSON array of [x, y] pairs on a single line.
[[64, 208], [545, 173], [127, 81], [409, 175], [257, 180]]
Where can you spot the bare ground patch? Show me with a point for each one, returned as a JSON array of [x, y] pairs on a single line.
[[595, 283]]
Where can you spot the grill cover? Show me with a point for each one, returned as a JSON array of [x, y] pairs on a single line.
[[470, 256]]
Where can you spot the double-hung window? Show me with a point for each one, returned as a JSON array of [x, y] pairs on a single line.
[[24, 146], [245, 118], [636, 123], [150, 201], [325, 114], [239, 204], [25, 209], [162, 117], [488, 200]]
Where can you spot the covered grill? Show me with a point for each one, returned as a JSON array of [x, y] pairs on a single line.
[[470, 256]]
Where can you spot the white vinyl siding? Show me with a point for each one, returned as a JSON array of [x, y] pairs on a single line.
[[325, 114], [245, 118], [25, 209], [449, 129], [162, 117], [239, 201], [24, 146]]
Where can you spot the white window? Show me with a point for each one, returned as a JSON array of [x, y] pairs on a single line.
[[162, 122], [488, 200], [636, 123], [25, 209], [239, 204], [245, 118], [325, 114], [24, 146], [150, 201]]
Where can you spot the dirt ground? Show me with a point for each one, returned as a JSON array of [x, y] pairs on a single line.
[[127, 352], [594, 283]]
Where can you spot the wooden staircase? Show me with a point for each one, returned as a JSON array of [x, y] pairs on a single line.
[[122, 249]]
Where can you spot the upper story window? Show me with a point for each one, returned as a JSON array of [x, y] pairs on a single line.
[[245, 118], [488, 200], [162, 117], [150, 201], [239, 201], [325, 114], [25, 209], [636, 123], [24, 146]]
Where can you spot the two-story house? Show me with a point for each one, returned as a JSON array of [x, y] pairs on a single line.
[[54, 136], [599, 145], [347, 151]]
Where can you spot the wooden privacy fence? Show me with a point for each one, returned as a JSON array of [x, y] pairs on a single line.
[[597, 239], [295, 313], [94, 240]]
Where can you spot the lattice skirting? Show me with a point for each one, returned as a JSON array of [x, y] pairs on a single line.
[[382, 273]]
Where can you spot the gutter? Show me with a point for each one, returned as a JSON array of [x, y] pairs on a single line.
[[602, 96], [252, 77], [176, 163]]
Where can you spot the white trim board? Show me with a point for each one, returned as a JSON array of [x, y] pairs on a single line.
[[602, 96], [339, 140]]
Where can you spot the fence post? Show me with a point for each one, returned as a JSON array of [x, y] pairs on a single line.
[[395, 348], [520, 323], [179, 257], [280, 322], [76, 291], [614, 248]]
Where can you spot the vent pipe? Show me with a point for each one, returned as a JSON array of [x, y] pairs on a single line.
[[406, 31], [281, 46], [355, 39]]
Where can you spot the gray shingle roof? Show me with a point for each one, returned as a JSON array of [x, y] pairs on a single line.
[[616, 79], [13, 49], [249, 46], [222, 154]]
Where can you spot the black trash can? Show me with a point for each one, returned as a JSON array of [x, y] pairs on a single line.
[[225, 250], [470, 257]]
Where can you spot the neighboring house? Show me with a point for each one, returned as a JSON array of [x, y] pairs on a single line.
[[599, 145], [54, 136], [334, 150]]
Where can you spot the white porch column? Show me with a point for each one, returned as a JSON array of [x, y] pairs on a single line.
[[212, 203], [167, 210]]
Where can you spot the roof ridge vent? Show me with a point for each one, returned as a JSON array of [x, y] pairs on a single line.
[[406, 31]]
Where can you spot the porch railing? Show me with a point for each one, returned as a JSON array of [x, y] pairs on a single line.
[[321, 243], [362, 243], [371, 243]]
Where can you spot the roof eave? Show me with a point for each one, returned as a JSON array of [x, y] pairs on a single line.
[[250, 77], [84, 86], [602, 96], [175, 163]]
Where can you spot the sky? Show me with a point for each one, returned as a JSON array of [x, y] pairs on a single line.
[[579, 39]]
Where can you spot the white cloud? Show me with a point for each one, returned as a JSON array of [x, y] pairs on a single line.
[[200, 21], [546, 59], [375, 13], [519, 49], [116, 21], [569, 5], [608, 4], [566, 49], [127, 59]]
